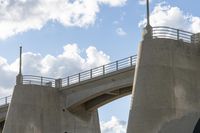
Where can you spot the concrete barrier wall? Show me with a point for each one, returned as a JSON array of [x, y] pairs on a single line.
[[166, 88], [36, 109]]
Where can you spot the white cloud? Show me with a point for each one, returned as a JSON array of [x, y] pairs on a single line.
[[166, 15], [113, 2], [6, 73], [113, 126], [17, 16], [143, 2], [68, 62], [7, 78], [120, 31]]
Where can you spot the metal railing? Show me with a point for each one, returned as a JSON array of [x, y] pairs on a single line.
[[77, 78], [99, 71], [196, 38], [5, 100], [172, 33], [38, 80]]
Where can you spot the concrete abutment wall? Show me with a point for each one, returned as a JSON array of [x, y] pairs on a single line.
[[166, 88], [37, 109]]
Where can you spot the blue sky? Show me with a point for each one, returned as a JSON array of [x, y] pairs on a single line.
[[82, 34]]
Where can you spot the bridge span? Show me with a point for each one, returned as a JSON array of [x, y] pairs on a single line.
[[87, 90], [164, 81]]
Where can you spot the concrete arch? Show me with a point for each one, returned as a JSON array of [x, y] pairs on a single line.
[[99, 91]]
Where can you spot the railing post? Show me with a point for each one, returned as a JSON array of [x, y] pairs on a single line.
[[103, 69], [178, 34], [68, 80], [58, 83], [117, 65], [79, 77], [131, 60], [19, 79], [41, 81], [90, 73], [6, 100]]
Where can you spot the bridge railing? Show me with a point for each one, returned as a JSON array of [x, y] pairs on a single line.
[[38, 80], [5, 100], [77, 78], [99, 71], [172, 33]]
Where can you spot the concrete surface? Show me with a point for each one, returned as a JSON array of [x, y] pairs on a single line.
[[166, 88], [73, 109], [166, 91], [36, 109], [103, 89], [3, 112]]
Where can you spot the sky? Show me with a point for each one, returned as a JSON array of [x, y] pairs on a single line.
[[64, 37]]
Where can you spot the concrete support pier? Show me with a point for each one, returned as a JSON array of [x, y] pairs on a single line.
[[166, 89], [37, 109]]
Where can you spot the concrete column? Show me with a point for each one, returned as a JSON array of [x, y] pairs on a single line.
[[195, 38], [166, 88], [41, 109], [58, 83], [19, 79]]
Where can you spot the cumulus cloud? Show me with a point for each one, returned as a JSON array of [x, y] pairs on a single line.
[[172, 16], [113, 2], [7, 77], [120, 31], [70, 61], [113, 126], [143, 2], [17, 16]]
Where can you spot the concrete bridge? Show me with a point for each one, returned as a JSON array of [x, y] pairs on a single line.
[[164, 81], [80, 94]]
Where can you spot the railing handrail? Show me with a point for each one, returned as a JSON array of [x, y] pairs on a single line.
[[82, 76], [38, 77], [172, 29], [100, 66], [5, 100], [172, 33]]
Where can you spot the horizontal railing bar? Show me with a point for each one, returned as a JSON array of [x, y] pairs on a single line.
[[38, 77], [164, 33], [172, 33], [82, 76], [5, 100], [172, 29], [5, 97]]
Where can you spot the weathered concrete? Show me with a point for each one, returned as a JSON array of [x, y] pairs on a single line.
[[3, 111], [99, 91], [166, 88], [72, 109], [36, 109]]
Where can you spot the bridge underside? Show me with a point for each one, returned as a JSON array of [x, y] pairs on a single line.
[[93, 94], [2, 125], [103, 99]]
